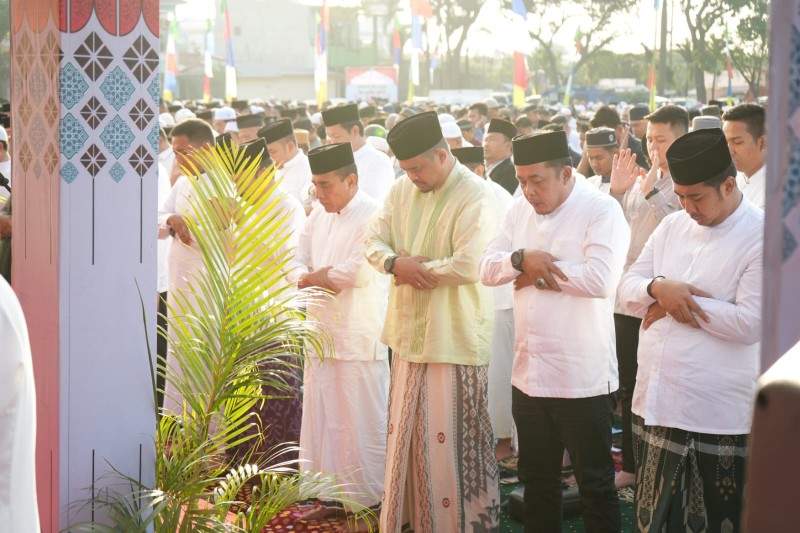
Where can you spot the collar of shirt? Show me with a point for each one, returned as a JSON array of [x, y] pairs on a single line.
[[294, 161], [494, 165], [758, 175], [353, 203]]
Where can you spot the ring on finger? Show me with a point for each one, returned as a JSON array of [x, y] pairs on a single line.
[[540, 282]]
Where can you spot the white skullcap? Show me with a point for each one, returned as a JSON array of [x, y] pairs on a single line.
[[184, 114], [166, 120], [444, 118], [224, 113], [450, 130]]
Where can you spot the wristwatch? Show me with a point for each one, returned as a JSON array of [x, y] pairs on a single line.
[[650, 286], [388, 264], [651, 194], [516, 259]]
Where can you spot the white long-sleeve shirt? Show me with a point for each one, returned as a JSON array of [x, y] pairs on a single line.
[[644, 216], [354, 317], [754, 187], [296, 175], [503, 294], [565, 345], [164, 187], [701, 379], [375, 172]]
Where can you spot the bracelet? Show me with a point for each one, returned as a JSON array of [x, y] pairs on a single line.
[[651, 193], [650, 286]]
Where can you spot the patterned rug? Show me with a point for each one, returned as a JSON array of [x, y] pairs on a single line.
[[290, 519]]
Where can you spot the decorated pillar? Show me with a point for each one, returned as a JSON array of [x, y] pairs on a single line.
[[84, 93]]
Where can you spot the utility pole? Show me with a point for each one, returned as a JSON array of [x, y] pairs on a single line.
[[662, 56]]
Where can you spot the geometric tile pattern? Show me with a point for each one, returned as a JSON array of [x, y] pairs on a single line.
[[153, 138], [141, 59], [117, 172], [141, 160], [154, 90], [142, 114], [73, 85], [72, 135], [93, 56], [93, 112], [69, 172], [93, 160], [117, 88], [37, 133], [117, 137]]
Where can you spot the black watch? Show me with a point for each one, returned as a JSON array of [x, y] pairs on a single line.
[[516, 259], [388, 264]]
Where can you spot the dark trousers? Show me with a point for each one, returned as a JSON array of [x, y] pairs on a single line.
[[161, 348], [546, 426], [627, 328]]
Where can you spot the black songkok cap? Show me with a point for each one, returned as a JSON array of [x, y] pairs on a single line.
[[498, 125], [212, 105], [340, 115], [239, 104], [174, 108], [331, 157], [287, 113], [367, 112], [224, 140], [5, 108], [601, 137], [638, 112], [276, 131], [712, 110], [470, 154], [465, 124], [414, 135], [204, 114], [542, 123], [540, 147], [255, 150], [250, 121], [698, 156]]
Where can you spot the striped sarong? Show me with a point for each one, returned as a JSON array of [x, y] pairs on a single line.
[[441, 472], [687, 481]]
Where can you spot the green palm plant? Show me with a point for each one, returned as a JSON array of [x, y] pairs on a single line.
[[237, 330]]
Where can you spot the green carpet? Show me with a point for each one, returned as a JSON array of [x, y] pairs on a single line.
[[571, 524]]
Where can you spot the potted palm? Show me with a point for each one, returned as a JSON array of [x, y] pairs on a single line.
[[236, 332]]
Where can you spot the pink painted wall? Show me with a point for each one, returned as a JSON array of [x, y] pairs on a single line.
[[36, 191]]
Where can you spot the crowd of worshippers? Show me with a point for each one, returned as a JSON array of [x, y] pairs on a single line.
[[502, 282]]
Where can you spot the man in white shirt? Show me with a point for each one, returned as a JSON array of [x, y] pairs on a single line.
[[5, 161], [698, 285], [293, 167], [499, 390], [601, 147], [248, 126], [744, 129], [18, 508], [497, 153], [162, 284], [166, 156], [346, 395], [646, 198], [184, 258], [563, 245], [375, 171]]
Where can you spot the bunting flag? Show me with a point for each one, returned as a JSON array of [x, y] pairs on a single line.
[[230, 67], [207, 64], [568, 90], [321, 61], [419, 9], [171, 70], [434, 61], [651, 84], [729, 67], [578, 41], [397, 44], [520, 66]]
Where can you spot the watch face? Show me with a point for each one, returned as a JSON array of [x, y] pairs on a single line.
[[388, 264], [516, 259]]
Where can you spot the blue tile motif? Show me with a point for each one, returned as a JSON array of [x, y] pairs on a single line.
[[117, 172], [155, 90], [153, 138], [72, 136], [117, 137], [69, 173], [789, 243], [73, 85], [117, 88]]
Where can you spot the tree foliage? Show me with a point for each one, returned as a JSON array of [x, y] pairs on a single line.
[[749, 44], [455, 19]]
